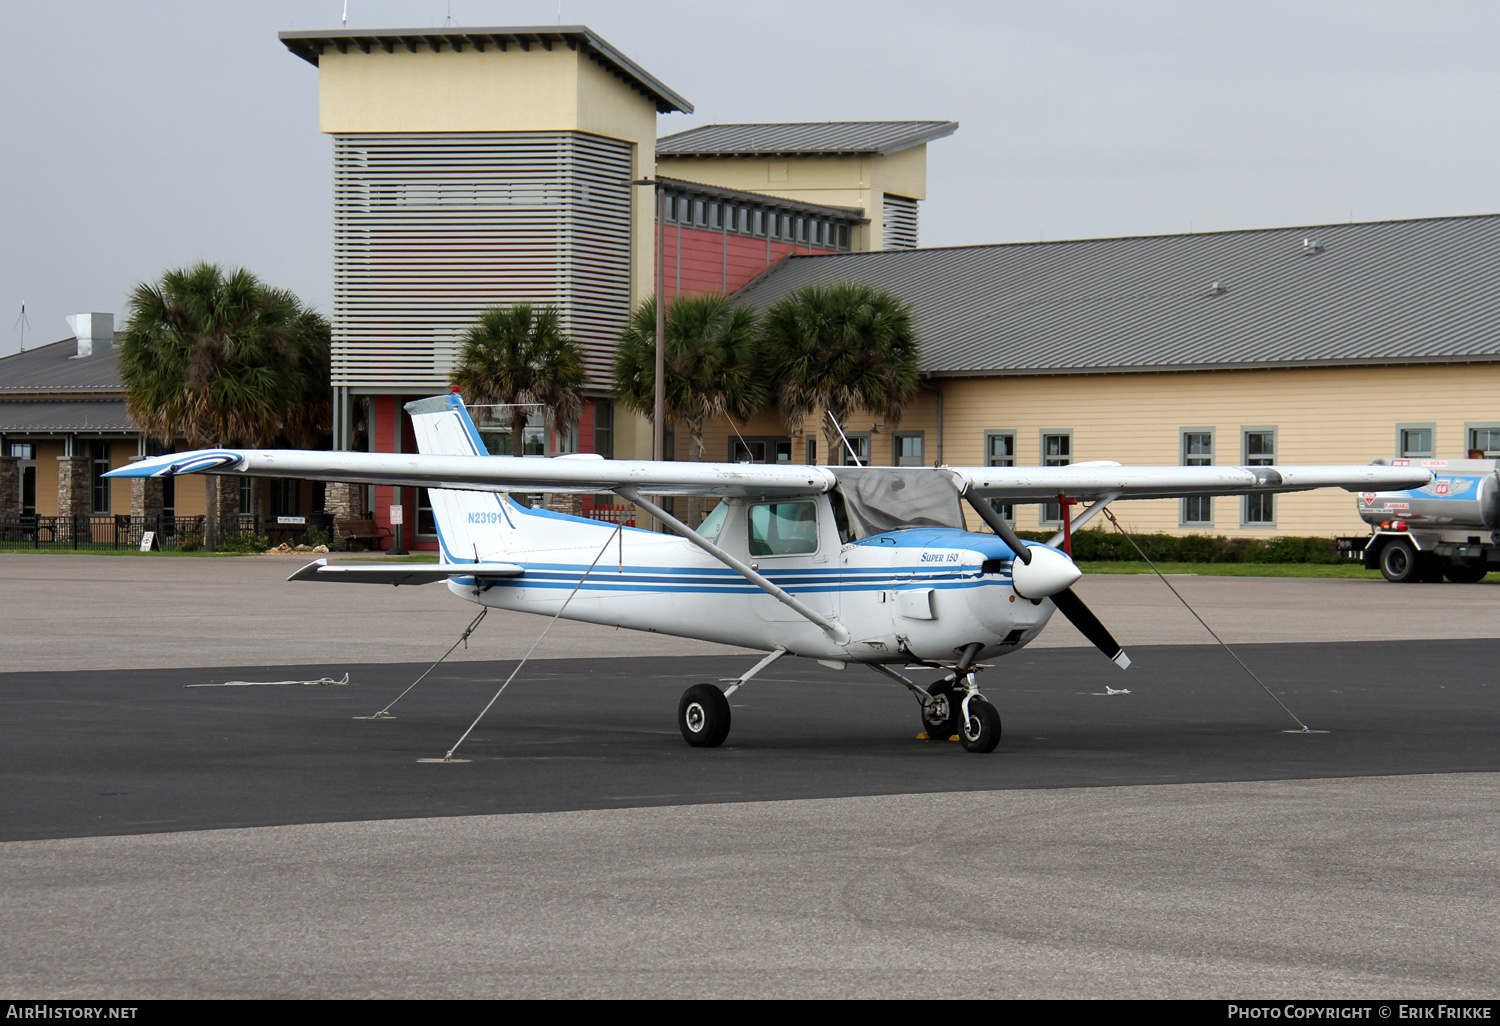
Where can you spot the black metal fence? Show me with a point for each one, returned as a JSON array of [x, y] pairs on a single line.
[[122, 531]]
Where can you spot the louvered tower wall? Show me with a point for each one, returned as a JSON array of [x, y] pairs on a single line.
[[431, 229]]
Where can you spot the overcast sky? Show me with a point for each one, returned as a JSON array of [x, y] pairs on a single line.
[[139, 136]]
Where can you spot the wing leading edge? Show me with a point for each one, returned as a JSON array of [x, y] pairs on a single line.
[[1087, 481]]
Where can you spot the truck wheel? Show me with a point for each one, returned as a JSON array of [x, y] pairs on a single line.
[[1399, 562], [1462, 574]]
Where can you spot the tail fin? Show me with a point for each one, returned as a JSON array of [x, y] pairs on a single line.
[[471, 526]]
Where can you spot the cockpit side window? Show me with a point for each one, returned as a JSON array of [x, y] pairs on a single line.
[[783, 528]]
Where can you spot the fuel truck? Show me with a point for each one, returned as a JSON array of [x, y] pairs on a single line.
[[1447, 529]]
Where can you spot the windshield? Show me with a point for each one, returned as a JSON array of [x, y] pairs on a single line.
[[881, 499], [714, 522]]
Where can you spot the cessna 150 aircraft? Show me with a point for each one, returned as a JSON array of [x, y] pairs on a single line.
[[870, 565]]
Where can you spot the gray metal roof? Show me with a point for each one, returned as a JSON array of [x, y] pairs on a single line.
[[1376, 292], [852, 214], [55, 367], [105, 416], [311, 45], [821, 137]]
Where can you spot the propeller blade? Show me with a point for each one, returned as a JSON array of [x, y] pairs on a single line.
[[999, 526], [1089, 626]]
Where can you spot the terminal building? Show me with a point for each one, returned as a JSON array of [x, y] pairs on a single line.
[[486, 167]]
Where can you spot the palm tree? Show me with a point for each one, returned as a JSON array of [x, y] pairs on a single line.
[[711, 366], [222, 359], [520, 357], [840, 348]]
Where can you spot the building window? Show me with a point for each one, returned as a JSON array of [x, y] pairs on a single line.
[[426, 523], [1260, 451], [907, 448], [1485, 437], [604, 429], [760, 450], [1000, 451], [1415, 440], [285, 496], [247, 496], [25, 452], [98, 467], [1057, 451], [1198, 451], [812, 451], [858, 452]]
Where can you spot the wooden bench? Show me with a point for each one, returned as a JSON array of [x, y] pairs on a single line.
[[367, 531]]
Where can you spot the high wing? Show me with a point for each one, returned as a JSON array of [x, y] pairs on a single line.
[[579, 473], [1093, 481], [1082, 481]]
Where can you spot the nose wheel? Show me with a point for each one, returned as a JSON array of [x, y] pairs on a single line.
[[979, 729]]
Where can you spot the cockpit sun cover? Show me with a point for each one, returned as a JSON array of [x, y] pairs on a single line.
[[881, 499]]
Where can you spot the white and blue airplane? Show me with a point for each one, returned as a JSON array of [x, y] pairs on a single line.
[[867, 565]]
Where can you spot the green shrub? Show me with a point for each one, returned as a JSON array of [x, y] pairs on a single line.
[[248, 543], [1098, 545], [190, 543]]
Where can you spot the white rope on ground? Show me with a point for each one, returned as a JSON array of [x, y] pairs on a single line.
[[1305, 728], [385, 714], [619, 530], [269, 683]]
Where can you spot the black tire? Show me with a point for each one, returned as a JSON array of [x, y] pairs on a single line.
[[1464, 574], [980, 730], [1399, 563], [940, 717], [703, 716]]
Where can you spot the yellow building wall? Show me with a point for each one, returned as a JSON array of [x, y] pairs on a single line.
[[839, 181], [1320, 415]]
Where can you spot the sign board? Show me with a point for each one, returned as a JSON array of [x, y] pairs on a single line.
[[148, 541], [398, 515], [291, 520]]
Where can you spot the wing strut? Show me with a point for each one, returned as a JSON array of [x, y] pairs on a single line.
[[835, 631]]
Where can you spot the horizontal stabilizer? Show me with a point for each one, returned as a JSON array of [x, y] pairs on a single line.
[[402, 573]]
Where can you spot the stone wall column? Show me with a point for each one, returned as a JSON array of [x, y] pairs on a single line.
[[73, 496], [229, 505], [10, 486], [345, 500], [145, 505]]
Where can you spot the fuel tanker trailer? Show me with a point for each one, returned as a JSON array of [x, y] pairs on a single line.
[[1449, 528]]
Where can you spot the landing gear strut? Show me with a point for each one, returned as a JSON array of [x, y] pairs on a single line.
[[954, 705]]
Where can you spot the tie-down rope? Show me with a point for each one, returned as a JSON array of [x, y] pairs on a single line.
[[619, 530], [1305, 728], [385, 714]]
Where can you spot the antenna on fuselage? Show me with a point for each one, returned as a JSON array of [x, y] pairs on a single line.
[[847, 447]]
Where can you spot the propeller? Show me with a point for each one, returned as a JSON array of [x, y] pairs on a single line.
[[1047, 573]]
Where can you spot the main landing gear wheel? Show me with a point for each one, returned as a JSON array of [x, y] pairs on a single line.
[[940, 717], [980, 729], [1399, 562], [703, 716]]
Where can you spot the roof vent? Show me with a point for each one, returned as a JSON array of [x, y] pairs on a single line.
[[1311, 246], [92, 328], [1218, 288]]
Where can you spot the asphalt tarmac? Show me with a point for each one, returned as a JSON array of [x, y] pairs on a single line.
[[137, 751], [166, 841]]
